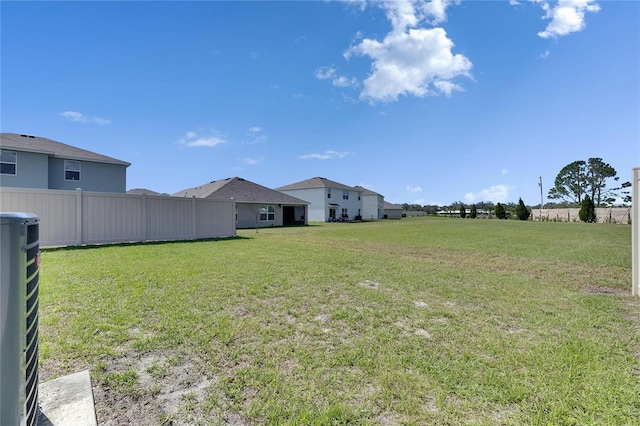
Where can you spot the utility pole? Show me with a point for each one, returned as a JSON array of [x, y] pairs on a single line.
[[541, 199]]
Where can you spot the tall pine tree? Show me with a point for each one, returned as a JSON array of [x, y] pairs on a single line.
[[474, 212], [522, 211]]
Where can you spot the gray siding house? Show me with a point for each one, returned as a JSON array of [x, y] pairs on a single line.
[[392, 211], [256, 206], [328, 200], [34, 162], [372, 204]]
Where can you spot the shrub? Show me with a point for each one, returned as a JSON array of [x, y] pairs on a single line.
[[474, 212], [501, 213], [522, 211], [587, 210], [463, 211]]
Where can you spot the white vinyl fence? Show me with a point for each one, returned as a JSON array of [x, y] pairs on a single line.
[[619, 215], [79, 217]]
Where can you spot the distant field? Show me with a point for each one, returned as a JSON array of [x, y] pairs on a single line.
[[413, 321]]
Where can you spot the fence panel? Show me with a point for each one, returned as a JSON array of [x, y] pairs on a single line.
[[56, 209], [214, 217], [108, 218], [78, 217]]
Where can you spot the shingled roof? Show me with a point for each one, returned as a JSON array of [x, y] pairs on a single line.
[[28, 143], [389, 206], [365, 191], [241, 190], [317, 182]]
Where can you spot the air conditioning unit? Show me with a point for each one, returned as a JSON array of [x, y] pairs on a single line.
[[19, 274]]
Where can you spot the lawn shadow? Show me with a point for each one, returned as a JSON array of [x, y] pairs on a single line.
[[139, 243]]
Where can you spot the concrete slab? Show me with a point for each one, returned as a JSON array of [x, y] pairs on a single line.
[[67, 401]]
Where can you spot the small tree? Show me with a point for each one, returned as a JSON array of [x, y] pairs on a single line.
[[587, 210], [501, 213], [522, 211], [474, 212], [463, 211]]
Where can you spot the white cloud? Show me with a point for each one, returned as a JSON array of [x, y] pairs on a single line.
[[436, 9], [411, 60], [252, 161], [567, 16], [325, 73], [330, 73], [413, 189], [358, 4], [496, 194], [327, 155], [546, 54], [255, 133], [194, 139], [504, 171], [345, 82], [81, 118]]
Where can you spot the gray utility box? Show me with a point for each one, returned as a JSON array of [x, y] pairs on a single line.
[[19, 274]]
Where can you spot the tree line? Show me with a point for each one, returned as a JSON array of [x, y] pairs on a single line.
[[582, 184]]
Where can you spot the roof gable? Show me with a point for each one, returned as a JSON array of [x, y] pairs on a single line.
[[27, 143], [317, 182], [365, 191], [241, 190]]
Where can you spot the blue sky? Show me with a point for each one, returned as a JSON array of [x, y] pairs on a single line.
[[422, 102]]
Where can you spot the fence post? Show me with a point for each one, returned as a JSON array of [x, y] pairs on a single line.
[[143, 218], [635, 224], [194, 233], [78, 216]]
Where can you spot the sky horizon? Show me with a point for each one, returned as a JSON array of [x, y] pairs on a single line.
[[424, 102]]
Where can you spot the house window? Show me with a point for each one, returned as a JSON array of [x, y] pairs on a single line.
[[345, 213], [8, 162], [359, 196], [71, 170], [345, 195], [267, 213], [329, 193]]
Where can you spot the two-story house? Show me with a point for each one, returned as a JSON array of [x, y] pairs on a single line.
[[372, 204], [34, 162], [328, 200]]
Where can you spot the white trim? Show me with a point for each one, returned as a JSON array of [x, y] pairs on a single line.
[[79, 171], [15, 163]]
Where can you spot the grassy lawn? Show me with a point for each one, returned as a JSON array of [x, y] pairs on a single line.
[[413, 321]]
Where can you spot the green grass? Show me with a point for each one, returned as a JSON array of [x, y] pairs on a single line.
[[413, 321]]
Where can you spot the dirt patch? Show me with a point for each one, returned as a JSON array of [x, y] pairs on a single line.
[[598, 289], [423, 333], [369, 284], [162, 389]]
